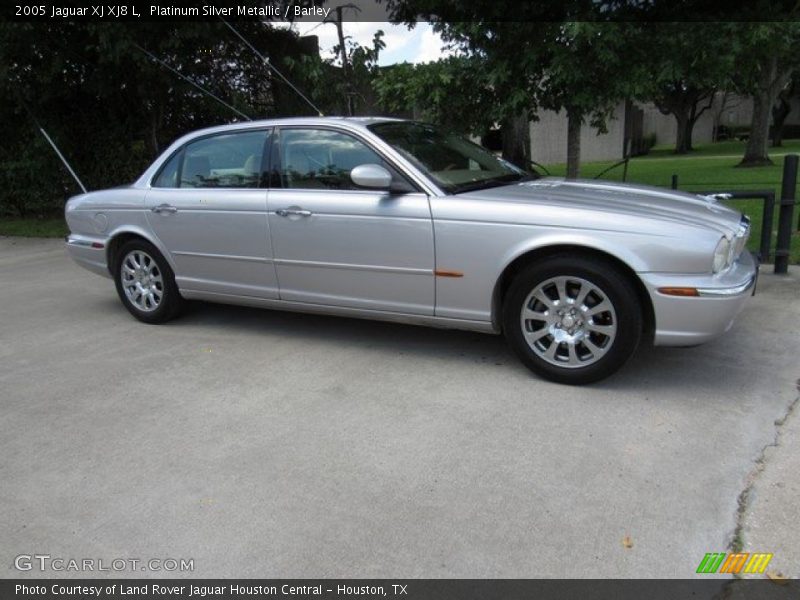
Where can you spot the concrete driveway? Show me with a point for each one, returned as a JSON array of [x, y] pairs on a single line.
[[269, 444]]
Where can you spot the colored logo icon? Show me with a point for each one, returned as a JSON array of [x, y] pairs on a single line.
[[734, 563]]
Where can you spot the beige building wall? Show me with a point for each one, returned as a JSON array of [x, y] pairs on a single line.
[[549, 138], [665, 127], [737, 111], [549, 133]]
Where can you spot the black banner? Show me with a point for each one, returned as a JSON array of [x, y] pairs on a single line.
[[405, 589], [385, 10]]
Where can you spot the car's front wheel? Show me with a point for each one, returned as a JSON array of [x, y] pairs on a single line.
[[145, 283], [572, 320]]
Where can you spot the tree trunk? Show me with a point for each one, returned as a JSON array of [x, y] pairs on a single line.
[[682, 120], [687, 137], [694, 117], [687, 108], [574, 122], [516, 134], [755, 153]]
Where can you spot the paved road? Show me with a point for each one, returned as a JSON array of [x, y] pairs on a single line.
[[273, 444]]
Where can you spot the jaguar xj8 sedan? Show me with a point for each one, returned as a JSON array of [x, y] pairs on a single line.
[[398, 220]]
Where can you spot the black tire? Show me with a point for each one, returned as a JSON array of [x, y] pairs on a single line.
[[593, 355], [170, 303]]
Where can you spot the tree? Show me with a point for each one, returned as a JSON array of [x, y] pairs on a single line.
[[587, 74], [487, 83], [452, 92], [769, 55], [687, 63], [346, 88], [456, 93], [358, 64], [515, 135], [111, 108], [577, 65]]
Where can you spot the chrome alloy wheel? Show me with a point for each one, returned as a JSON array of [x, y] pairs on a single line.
[[141, 280], [568, 322]]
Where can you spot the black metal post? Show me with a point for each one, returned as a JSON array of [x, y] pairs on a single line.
[[767, 216], [788, 194], [674, 182]]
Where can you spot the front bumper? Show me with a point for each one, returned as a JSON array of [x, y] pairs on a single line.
[[89, 252], [687, 321]]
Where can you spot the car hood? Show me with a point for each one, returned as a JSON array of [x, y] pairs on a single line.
[[623, 199]]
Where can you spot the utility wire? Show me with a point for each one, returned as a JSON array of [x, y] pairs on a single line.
[[187, 80], [55, 148], [271, 66]]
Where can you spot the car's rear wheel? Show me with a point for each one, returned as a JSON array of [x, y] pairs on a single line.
[[571, 319], [145, 283]]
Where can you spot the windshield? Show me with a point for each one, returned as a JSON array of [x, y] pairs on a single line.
[[454, 163]]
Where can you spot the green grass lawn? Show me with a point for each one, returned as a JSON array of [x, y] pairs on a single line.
[[711, 167], [34, 227]]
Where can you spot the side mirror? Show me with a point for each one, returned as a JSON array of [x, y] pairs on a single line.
[[371, 176]]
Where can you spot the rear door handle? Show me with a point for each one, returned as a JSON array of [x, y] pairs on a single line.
[[164, 208], [286, 212]]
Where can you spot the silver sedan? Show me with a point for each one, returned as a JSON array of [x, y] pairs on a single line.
[[398, 220]]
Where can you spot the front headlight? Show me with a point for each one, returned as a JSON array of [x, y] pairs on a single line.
[[742, 235], [722, 256]]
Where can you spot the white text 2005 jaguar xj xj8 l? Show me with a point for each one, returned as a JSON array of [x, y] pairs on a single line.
[[398, 220]]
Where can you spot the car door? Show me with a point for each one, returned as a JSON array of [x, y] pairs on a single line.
[[338, 245], [208, 206]]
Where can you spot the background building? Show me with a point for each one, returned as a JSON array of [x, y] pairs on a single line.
[[642, 124]]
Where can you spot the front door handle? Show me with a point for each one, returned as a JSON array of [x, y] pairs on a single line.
[[286, 212], [164, 208]]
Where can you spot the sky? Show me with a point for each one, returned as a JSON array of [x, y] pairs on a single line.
[[418, 45]]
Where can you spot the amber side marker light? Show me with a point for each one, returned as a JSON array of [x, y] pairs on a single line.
[[679, 291], [446, 273]]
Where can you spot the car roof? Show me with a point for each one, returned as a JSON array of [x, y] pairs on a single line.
[[353, 123], [357, 122]]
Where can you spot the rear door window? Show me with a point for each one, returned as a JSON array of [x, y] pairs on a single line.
[[234, 160]]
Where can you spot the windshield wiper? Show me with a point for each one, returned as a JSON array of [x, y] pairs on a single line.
[[490, 183]]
